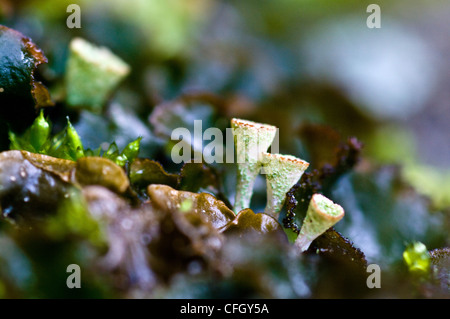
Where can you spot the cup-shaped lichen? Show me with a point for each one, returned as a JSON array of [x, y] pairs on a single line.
[[322, 214], [282, 172], [251, 139], [92, 74]]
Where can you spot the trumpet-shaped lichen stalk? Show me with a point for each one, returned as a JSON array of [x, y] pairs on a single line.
[[92, 74], [321, 215], [251, 139], [282, 172]]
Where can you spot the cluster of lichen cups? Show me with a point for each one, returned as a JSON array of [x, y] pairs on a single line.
[[252, 141]]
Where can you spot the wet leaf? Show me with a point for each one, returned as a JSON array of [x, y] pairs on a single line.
[[101, 171], [144, 172], [193, 177], [213, 210], [28, 192], [61, 167], [156, 240], [185, 242], [19, 58], [200, 177], [342, 267], [127, 231], [333, 245], [247, 221], [20, 93]]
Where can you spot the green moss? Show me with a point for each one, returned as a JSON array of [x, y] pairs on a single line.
[[74, 219], [128, 154], [417, 258], [67, 144], [37, 139], [186, 205]]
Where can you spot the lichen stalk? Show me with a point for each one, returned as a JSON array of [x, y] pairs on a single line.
[[321, 215], [251, 139], [282, 172]]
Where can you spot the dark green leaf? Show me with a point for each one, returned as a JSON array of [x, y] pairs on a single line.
[[247, 221], [144, 172], [19, 58], [213, 210], [27, 191], [101, 171]]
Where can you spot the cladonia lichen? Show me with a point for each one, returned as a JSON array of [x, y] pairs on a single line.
[[251, 140], [321, 215], [92, 74], [282, 172]]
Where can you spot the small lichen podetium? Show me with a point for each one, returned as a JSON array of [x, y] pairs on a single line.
[[92, 74], [322, 214], [251, 139], [282, 172]]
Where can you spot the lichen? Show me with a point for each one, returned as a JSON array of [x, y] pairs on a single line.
[[251, 140], [282, 172], [322, 214], [92, 74]]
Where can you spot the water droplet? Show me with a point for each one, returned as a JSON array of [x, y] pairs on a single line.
[[7, 211], [22, 172], [145, 239], [126, 224], [26, 199], [194, 267], [12, 179]]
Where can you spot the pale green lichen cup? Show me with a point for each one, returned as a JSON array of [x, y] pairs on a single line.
[[282, 172], [92, 74], [322, 214], [251, 139]]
